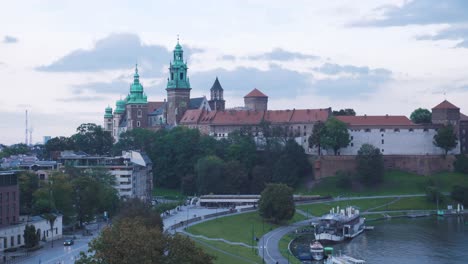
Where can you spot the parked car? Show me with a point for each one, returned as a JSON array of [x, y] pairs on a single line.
[[68, 242]]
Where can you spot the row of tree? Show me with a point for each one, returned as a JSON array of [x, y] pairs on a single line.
[[78, 195]]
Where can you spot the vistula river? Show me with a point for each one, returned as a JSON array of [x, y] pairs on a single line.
[[411, 241]]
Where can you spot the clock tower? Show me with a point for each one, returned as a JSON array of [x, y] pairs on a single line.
[[178, 87]]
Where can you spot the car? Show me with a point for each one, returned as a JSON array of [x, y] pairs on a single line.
[[68, 242]]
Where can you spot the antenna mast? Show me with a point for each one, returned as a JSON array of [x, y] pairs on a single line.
[[26, 129]]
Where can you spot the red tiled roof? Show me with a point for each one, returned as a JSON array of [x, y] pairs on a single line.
[[310, 115], [255, 93], [191, 116], [463, 117], [207, 117], [152, 106], [240, 117], [445, 105], [385, 120], [278, 116]]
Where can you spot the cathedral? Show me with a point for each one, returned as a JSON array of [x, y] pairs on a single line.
[[392, 134]]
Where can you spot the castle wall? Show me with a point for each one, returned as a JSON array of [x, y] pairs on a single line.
[[327, 166]]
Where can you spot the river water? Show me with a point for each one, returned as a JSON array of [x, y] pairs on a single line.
[[411, 241]]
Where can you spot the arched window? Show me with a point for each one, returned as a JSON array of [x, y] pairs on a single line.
[[138, 123], [181, 75]]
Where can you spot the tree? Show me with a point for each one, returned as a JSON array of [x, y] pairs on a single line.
[[134, 207], [51, 219], [28, 183], [461, 163], [59, 144], [92, 139], [31, 239], [460, 194], [345, 112], [315, 140], [85, 198], [292, 165], [336, 135], [276, 203], [370, 165], [421, 116], [235, 178], [209, 171], [446, 138], [260, 177], [131, 241]]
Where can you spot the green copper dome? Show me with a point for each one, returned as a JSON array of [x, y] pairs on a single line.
[[108, 113], [120, 107], [136, 95]]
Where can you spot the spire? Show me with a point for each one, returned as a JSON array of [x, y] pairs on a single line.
[[136, 76], [216, 85], [178, 69]]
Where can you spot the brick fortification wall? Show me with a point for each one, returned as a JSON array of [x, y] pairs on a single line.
[[424, 164]]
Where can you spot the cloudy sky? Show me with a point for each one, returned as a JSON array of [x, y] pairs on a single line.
[[65, 61]]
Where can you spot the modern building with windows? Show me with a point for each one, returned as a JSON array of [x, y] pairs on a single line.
[[132, 170]]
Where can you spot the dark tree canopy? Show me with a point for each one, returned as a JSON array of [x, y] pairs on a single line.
[[446, 138], [460, 194], [336, 135], [461, 163], [345, 112], [276, 203], [370, 165], [315, 140], [210, 175], [92, 139], [421, 116], [134, 207], [291, 165]]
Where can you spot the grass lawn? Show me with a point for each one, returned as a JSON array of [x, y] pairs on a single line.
[[242, 254], [237, 228], [323, 208], [395, 182], [283, 247], [170, 194], [417, 203]]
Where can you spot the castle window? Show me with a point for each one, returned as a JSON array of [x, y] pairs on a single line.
[[367, 130], [352, 144], [172, 76], [352, 137], [382, 135], [138, 123], [181, 75], [383, 150], [382, 130], [139, 113], [396, 130], [382, 141], [411, 130]]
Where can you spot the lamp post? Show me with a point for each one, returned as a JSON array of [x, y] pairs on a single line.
[[263, 240]]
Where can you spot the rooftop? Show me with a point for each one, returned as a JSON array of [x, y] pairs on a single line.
[[255, 93], [385, 120], [445, 105]]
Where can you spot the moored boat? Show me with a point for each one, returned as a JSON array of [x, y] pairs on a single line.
[[340, 225], [316, 250]]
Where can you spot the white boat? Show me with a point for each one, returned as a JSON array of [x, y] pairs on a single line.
[[316, 250], [340, 225]]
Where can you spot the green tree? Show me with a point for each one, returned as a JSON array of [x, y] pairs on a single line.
[[209, 171], [461, 163], [136, 208], [446, 138], [243, 149], [31, 239], [315, 140], [131, 241], [336, 135], [235, 178], [260, 177], [460, 194], [59, 144], [345, 112], [85, 198], [51, 219], [421, 116], [276, 203], [370, 165], [28, 183], [136, 139], [93, 139], [292, 165]]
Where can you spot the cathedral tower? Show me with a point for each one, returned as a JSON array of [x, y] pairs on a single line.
[[217, 101], [137, 104], [108, 119], [178, 87]]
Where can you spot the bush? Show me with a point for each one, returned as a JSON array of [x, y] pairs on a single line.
[[460, 194], [277, 203], [344, 180], [461, 164]]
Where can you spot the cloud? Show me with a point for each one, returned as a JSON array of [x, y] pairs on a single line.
[[459, 33], [279, 54], [9, 39], [116, 86], [81, 99], [117, 51], [228, 57], [419, 12], [347, 81]]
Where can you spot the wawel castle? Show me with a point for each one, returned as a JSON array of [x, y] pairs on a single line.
[[394, 135]]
